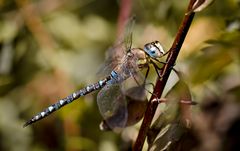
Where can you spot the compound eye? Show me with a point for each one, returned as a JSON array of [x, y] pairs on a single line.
[[153, 51]]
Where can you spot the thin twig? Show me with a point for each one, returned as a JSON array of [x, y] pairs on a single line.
[[171, 59], [123, 17]]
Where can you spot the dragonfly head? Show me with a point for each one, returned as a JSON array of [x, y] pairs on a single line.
[[154, 49]]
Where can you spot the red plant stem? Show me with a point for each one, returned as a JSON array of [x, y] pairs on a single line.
[[124, 15], [171, 59]]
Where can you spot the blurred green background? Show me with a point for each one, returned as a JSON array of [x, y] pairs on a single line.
[[49, 49]]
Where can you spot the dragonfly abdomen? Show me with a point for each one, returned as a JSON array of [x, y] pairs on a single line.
[[88, 89]]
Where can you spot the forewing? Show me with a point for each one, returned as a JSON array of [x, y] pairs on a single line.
[[120, 49], [128, 33], [114, 57]]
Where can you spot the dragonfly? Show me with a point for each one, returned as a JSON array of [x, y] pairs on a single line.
[[126, 64]]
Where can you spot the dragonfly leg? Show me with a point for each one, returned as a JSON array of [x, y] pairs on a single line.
[[157, 69], [161, 62], [147, 72], [143, 83], [166, 52], [150, 84], [135, 79], [150, 91], [146, 75]]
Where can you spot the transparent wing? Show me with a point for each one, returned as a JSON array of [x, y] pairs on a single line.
[[137, 93], [137, 104], [119, 50], [114, 56], [128, 33], [120, 108], [113, 106]]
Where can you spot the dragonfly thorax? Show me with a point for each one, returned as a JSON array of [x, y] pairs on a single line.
[[141, 57], [154, 49]]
